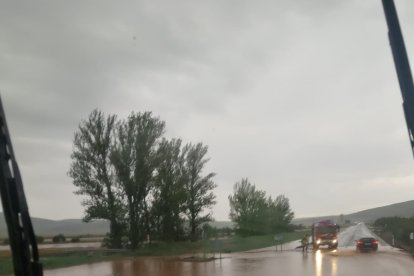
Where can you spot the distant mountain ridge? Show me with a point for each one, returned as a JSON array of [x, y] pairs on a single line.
[[74, 227], [68, 227], [402, 209]]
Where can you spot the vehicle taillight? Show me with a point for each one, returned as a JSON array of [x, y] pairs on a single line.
[[360, 242], [374, 242]]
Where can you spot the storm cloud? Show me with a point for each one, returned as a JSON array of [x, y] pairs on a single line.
[[301, 97]]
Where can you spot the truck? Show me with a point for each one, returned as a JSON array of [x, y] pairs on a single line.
[[325, 233]]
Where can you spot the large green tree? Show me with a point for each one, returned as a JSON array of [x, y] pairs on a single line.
[[248, 208], [279, 214], [92, 172], [400, 227], [142, 183], [199, 188], [169, 191], [135, 160], [255, 213]]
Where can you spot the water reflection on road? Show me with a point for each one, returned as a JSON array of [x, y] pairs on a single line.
[[141, 266], [318, 263], [345, 261], [264, 262], [161, 266], [331, 264]]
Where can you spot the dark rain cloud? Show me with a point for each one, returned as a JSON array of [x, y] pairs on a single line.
[[299, 96]]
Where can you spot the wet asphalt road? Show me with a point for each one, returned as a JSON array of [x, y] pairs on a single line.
[[266, 262]]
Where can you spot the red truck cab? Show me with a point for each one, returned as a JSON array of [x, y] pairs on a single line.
[[325, 233]]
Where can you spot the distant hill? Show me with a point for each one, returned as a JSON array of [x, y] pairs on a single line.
[[310, 220], [74, 227], [68, 227], [403, 209]]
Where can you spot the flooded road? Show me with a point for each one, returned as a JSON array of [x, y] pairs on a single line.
[[265, 262], [289, 263]]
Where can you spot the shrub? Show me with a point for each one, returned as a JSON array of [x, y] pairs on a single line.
[[75, 239], [40, 239], [59, 238]]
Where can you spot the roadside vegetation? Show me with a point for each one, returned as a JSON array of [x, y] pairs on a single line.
[[157, 197], [396, 230], [147, 186], [255, 213], [154, 189]]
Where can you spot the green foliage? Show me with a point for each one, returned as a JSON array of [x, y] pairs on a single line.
[[248, 208], [240, 243], [255, 214], [226, 231], [169, 192], [209, 231], [142, 183], [60, 238], [92, 172], [40, 239], [400, 227], [279, 214], [135, 161], [297, 226], [199, 188]]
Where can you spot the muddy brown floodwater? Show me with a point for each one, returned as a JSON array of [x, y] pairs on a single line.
[[264, 262], [344, 261], [162, 266]]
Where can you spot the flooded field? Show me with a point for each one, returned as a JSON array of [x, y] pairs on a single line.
[[345, 261], [61, 245], [142, 266], [262, 262], [49, 248]]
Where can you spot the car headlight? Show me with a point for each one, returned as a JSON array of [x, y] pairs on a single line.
[[334, 241], [318, 241]]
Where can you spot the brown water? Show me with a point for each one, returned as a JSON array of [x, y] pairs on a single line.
[[264, 262], [142, 266], [345, 261]]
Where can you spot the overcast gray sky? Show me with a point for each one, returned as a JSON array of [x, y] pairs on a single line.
[[301, 97]]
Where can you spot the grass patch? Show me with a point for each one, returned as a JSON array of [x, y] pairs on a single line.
[[6, 265], [75, 258], [229, 245], [167, 249], [237, 244], [232, 244]]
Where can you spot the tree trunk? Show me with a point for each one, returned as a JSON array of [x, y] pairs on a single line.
[[133, 227], [193, 228], [115, 233], [115, 229]]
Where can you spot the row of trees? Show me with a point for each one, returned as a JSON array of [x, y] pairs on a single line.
[[401, 228], [142, 183], [254, 213]]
